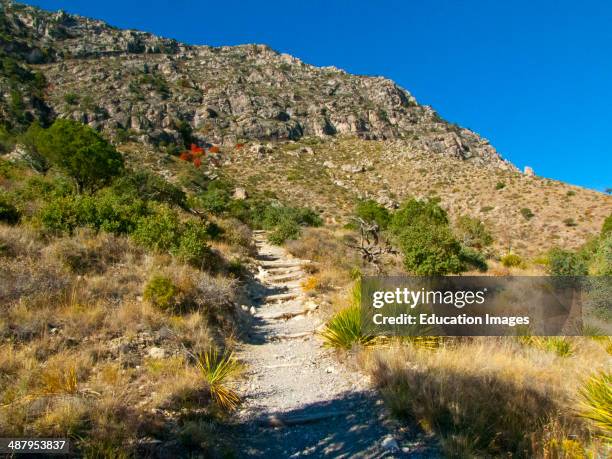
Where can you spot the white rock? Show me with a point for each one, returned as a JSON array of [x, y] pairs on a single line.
[[389, 443], [156, 353], [240, 194]]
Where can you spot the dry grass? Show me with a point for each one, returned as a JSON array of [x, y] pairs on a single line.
[[76, 339], [491, 397]]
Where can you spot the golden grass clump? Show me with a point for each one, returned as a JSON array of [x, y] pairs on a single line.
[[489, 396]]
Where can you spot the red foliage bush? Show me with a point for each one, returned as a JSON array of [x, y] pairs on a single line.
[[185, 156], [197, 162], [195, 149], [214, 149], [239, 146]]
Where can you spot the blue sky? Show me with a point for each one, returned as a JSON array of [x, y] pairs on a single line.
[[534, 77]]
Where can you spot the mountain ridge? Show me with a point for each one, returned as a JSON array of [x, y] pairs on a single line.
[[169, 91]]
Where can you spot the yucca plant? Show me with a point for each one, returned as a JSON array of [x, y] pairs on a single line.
[[344, 329], [596, 403], [215, 369]]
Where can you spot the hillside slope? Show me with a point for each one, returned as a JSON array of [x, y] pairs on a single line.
[[368, 137]]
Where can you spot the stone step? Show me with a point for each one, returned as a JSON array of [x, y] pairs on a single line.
[[281, 297], [285, 276], [283, 263], [289, 285], [279, 271]]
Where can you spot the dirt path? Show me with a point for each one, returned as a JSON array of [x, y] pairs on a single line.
[[299, 401]]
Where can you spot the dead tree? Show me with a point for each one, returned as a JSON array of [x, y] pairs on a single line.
[[371, 246]]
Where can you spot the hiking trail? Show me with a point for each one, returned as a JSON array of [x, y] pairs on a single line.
[[299, 400]]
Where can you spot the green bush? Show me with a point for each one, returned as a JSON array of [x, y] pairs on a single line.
[[413, 212], [102, 211], [473, 233], [607, 226], [371, 211], [45, 188], [601, 260], [565, 263], [527, 213], [215, 200], [430, 250], [500, 185], [80, 152], [161, 292], [117, 213], [71, 98], [64, 214], [8, 212], [274, 215], [511, 260], [192, 244], [286, 229], [421, 230], [570, 222], [149, 187], [159, 231]]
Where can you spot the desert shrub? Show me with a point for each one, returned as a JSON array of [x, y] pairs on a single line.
[[192, 244], [472, 232], [159, 231], [371, 211], [570, 222], [601, 260], [500, 185], [285, 230], [473, 259], [570, 193], [565, 263], [161, 292], [236, 233], [71, 98], [430, 251], [8, 212], [486, 208], [37, 187], [343, 331], [414, 212], [215, 200], [148, 186], [421, 230], [102, 211], [527, 213], [607, 226], [511, 260], [274, 215], [63, 214], [86, 252], [80, 152], [116, 213]]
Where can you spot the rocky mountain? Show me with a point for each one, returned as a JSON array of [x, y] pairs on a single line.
[[134, 85]]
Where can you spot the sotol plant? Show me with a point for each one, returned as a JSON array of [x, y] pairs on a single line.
[[596, 403], [344, 329], [216, 368]]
